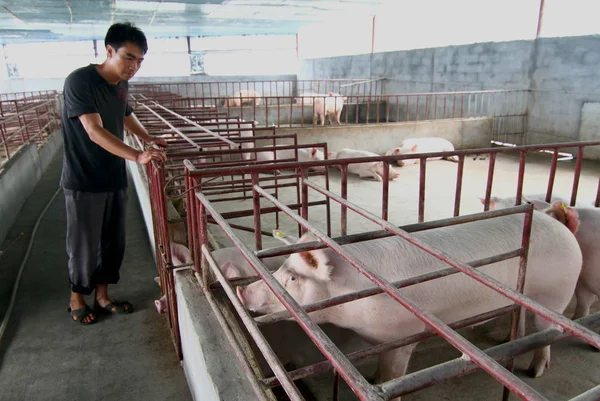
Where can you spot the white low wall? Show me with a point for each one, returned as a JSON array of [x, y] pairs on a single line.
[[21, 174], [379, 138]]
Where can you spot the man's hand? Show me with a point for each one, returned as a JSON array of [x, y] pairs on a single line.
[[158, 142], [151, 154]]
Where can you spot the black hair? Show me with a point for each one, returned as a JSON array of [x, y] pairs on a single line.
[[122, 32]]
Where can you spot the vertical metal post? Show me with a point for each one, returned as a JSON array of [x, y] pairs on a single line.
[[540, 17], [552, 175], [488, 189], [422, 172], [459, 179], [373, 36], [256, 207], [344, 193], [577, 175]]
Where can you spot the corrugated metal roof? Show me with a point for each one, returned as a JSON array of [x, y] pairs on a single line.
[[63, 20]]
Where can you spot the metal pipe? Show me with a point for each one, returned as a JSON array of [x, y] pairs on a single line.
[[567, 324], [488, 364], [354, 379], [460, 366]]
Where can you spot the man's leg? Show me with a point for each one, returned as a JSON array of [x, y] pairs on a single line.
[[84, 223], [112, 248]]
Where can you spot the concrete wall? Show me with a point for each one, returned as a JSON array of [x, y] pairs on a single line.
[[21, 174], [561, 72], [26, 85], [471, 67], [564, 76], [379, 138]]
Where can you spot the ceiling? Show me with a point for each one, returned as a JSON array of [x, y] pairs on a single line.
[[23, 21]]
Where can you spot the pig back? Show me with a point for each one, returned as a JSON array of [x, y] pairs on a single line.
[[554, 264]]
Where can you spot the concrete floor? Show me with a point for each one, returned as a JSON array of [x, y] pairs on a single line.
[[44, 355], [575, 367]]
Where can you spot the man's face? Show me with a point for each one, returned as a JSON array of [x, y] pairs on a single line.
[[126, 61]]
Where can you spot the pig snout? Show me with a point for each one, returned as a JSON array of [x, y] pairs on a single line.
[[161, 304]]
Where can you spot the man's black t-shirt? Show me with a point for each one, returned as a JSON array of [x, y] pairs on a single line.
[[88, 167]]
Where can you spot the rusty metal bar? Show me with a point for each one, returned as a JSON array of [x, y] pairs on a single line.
[[586, 335], [369, 352], [488, 364], [461, 366], [552, 175], [369, 292], [357, 382], [459, 180], [576, 174], [261, 342]]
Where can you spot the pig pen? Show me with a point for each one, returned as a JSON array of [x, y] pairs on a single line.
[[423, 192]]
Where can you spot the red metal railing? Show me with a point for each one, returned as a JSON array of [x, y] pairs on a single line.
[[289, 88], [26, 120], [507, 107], [190, 138], [204, 207]]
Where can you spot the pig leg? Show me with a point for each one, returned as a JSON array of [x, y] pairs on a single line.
[[541, 356], [371, 173], [452, 158], [393, 364], [337, 117], [585, 298]]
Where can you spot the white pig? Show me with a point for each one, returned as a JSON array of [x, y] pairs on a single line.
[[502, 203], [552, 270], [422, 145], [588, 237], [242, 98], [369, 169], [308, 97], [180, 255], [304, 155], [330, 105]]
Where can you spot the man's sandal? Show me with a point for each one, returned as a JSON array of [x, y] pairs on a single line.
[[80, 314], [119, 305]]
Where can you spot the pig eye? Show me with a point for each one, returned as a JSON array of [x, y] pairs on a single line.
[[292, 278]]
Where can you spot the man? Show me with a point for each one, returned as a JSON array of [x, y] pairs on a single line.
[[94, 177]]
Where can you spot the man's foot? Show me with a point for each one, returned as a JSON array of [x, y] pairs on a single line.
[[82, 315], [110, 305], [79, 311]]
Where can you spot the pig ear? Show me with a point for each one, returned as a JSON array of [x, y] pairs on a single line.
[[414, 148], [396, 151], [230, 271], [313, 151], [493, 201], [330, 155], [312, 264], [565, 214], [537, 204]]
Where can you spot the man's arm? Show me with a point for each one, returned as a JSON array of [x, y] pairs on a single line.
[[100, 136], [136, 128]]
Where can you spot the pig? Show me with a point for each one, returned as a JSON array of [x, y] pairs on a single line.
[[552, 270], [422, 145], [242, 98], [312, 154], [332, 104], [308, 97], [584, 222], [180, 255], [369, 169], [502, 203]]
